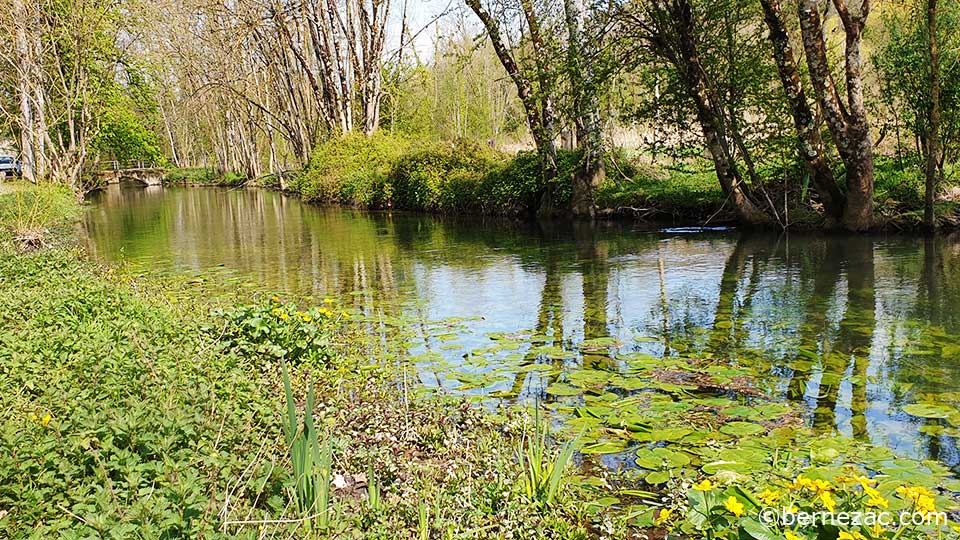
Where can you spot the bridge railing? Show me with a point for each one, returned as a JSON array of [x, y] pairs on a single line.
[[129, 165]]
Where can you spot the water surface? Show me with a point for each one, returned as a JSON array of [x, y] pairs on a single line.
[[850, 327]]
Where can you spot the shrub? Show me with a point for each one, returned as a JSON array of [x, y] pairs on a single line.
[[277, 331], [350, 169], [443, 177]]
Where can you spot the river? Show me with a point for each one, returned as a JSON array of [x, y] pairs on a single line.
[[851, 328]]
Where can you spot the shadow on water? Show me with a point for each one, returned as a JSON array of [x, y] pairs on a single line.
[[850, 327]]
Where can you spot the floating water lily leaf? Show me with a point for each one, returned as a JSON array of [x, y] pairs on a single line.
[[657, 477], [732, 466], [599, 343], [928, 410], [661, 458], [742, 429], [604, 447], [669, 434], [563, 389]]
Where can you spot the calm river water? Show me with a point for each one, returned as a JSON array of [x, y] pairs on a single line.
[[850, 327]]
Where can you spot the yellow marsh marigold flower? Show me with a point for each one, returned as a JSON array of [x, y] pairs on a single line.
[[801, 482], [828, 501], [734, 506], [664, 516], [705, 485], [328, 301], [865, 482], [45, 420], [769, 498], [789, 535], [284, 316], [926, 504], [275, 299], [844, 535], [877, 502], [877, 530], [821, 486]]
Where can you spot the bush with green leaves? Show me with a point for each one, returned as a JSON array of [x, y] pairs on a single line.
[[277, 331]]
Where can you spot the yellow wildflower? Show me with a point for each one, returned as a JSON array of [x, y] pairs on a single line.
[[844, 535], [769, 498], [877, 530], [926, 504], [344, 314], [878, 502], [284, 316], [275, 299], [820, 486], [801, 482], [34, 417], [705, 485], [828, 502], [790, 535], [865, 482], [734, 506], [46, 419], [664, 516], [328, 301]]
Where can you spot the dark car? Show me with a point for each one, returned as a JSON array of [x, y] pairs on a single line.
[[10, 166]]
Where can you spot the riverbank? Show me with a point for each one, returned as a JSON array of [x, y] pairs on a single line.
[[395, 172], [141, 403]]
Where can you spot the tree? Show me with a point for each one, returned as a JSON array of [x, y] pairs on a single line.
[[846, 118], [933, 131], [811, 147], [535, 89], [668, 29], [584, 85]]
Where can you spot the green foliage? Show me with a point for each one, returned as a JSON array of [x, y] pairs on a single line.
[[202, 176], [124, 135], [115, 422], [277, 331], [684, 192], [903, 66], [351, 169], [542, 474], [383, 171], [311, 460]]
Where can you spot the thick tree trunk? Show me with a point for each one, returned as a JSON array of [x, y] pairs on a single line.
[[590, 172], [847, 121], [809, 140], [933, 124]]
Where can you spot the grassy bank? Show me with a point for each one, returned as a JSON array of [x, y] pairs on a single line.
[[397, 172], [388, 171]]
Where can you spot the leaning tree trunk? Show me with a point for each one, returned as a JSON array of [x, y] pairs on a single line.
[[590, 172], [809, 141], [710, 118], [847, 121], [537, 108], [933, 130]]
